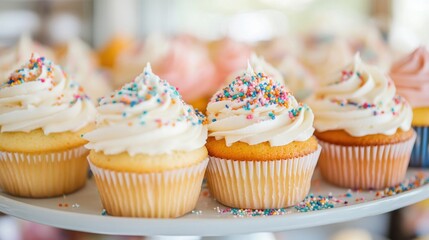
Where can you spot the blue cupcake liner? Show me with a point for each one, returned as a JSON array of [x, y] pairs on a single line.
[[420, 153]]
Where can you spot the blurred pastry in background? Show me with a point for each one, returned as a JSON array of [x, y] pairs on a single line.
[[258, 64], [78, 60], [183, 60], [324, 58], [228, 56], [372, 47], [362, 125], [132, 60], [15, 56], [297, 78], [275, 50], [108, 54]]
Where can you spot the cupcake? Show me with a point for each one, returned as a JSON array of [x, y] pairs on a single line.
[[78, 60], [147, 151], [411, 76], [14, 57], [261, 145], [43, 114], [364, 129]]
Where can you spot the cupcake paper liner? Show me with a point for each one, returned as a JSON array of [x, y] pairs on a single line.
[[365, 167], [420, 153], [164, 194], [43, 175], [261, 184]]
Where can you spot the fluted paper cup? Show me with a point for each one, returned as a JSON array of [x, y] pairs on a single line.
[[261, 184], [44, 174], [166, 194], [365, 167]]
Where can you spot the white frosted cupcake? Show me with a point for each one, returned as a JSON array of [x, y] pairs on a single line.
[[364, 128], [43, 114], [147, 152], [261, 145]]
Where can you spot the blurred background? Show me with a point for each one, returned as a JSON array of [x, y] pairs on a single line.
[[105, 43]]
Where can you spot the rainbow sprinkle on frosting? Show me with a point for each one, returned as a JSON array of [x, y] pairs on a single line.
[[30, 71], [254, 90], [148, 87]]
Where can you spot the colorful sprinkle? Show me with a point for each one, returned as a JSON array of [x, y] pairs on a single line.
[[263, 91], [150, 88], [240, 212]]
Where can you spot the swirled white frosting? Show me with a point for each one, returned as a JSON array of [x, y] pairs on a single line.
[[361, 100], [146, 116], [40, 95], [254, 109]]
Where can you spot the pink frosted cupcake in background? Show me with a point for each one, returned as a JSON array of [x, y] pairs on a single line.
[[77, 59], [228, 56], [411, 76], [188, 67], [12, 58]]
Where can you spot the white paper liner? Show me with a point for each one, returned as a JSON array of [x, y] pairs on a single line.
[[365, 167], [43, 174], [154, 195], [261, 184]]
